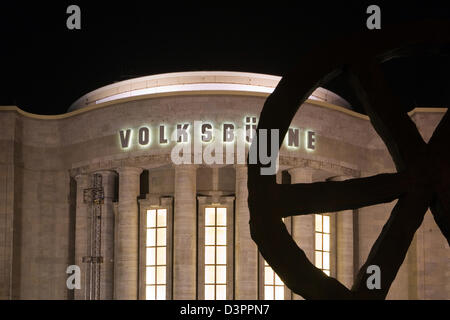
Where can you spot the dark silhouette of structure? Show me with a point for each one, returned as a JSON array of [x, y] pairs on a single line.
[[423, 169]]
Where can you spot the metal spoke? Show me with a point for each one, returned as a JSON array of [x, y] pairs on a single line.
[[440, 208], [391, 247], [394, 126], [440, 137], [306, 198]]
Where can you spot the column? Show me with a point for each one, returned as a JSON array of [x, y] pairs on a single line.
[[107, 236], [246, 252], [185, 234], [82, 233], [7, 218], [303, 226], [127, 244], [344, 247]]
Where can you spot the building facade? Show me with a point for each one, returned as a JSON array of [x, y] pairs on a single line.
[[141, 185]]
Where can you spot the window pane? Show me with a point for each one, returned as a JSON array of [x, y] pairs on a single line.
[[221, 274], [318, 223], [161, 292], [150, 256], [150, 275], [279, 293], [161, 236], [209, 292], [161, 256], [278, 280], [268, 293], [215, 253], [151, 218], [156, 276], [326, 260], [161, 275], [221, 255], [221, 216], [319, 259], [209, 255], [318, 241], [326, 224], [323, 243], [151, 237], [210, 217], [221, 292], [150, 292], [209, 274], [162, 217], [327, 272], [210, 236], [221, 236], [326, 242], [268, 275]]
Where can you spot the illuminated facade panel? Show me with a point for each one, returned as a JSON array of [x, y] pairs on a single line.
[[156, 254], [322, 252], [215, 253]]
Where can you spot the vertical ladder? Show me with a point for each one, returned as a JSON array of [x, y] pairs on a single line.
[[95, 197]]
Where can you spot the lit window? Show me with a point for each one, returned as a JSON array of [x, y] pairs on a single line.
[[273, 286], [322, 243], [215, 253], [156, 250]]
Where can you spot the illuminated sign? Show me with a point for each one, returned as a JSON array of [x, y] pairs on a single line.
[[227, 132]]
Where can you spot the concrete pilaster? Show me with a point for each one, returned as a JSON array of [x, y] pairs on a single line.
[[344, 247], [303, 226], [246, 252], [185, 234], [7, 217], [107, 238], [82, 233], [127, 244]]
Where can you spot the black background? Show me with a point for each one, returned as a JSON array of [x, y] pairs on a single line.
[[277, 309], [45, 67]]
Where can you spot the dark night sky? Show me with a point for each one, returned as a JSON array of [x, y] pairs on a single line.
[[46, 67]]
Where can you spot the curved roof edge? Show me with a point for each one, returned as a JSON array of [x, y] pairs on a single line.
[[196, 81], [316, 103]]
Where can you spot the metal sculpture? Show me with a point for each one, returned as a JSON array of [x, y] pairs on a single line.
[[423, 169]]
